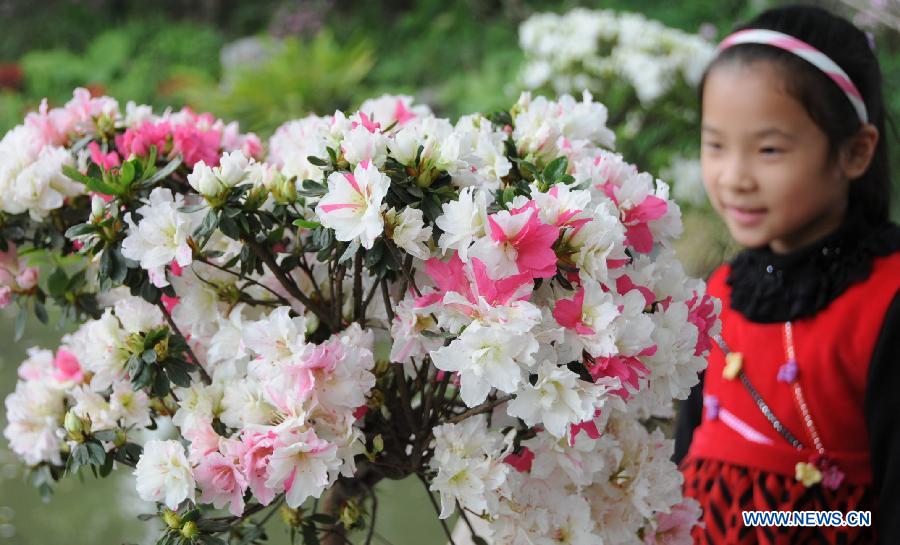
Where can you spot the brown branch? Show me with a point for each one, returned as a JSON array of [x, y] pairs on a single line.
[[357, 288], [487, 406], [288, 284], [203, 374], [437, 509], [242, 277]]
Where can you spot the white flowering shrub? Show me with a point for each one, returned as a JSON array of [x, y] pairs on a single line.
[[491, 305], [647, 73]]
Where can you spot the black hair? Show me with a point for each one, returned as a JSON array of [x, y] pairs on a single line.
[[824, 101]]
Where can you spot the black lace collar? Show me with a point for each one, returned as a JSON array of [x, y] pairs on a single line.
[[767, 287]]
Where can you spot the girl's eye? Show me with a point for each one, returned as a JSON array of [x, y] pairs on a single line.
[[713, 146], [770, 150]]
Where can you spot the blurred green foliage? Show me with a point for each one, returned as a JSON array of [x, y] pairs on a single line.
[[137, 61], [298, 77]]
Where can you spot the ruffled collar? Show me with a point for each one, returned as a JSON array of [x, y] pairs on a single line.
[[767, 287]]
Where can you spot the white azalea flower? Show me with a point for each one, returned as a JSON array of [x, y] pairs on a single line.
[[164, 474]]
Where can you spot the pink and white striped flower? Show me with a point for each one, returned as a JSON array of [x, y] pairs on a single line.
[[353, 204], [518, 242]]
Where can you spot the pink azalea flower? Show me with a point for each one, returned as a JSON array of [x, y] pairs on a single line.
[[198, 141], [588, 426], [50, 124], [570, 312], [531, 241], [67, 367], [674, 528], [5, 296], [13, 272], [138, 140], [628, 369], [105, 161], [255, 462], [221, 478], [624, 284], [27, 278], [521, 462], [702, 313], [203, 438], [453, 276], [170, 302], [401, 113], [636, 218], [306, 372], [369, 124]]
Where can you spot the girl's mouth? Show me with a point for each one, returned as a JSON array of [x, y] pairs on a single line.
[[746, 216]]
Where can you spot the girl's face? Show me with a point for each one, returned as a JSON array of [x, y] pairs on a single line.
[[766, 165]]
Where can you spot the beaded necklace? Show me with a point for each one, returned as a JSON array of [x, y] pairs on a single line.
[[819, 468]]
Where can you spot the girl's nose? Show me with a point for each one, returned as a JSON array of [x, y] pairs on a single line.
[[736, 175]]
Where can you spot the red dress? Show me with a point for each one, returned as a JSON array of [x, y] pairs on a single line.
[[738, 461]]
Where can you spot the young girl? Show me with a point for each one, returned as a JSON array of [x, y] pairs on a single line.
[[799, 409]]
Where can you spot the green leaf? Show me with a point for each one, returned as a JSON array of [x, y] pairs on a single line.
[[209, 224], [80, 456], [311, 188], [307, 224], [526, 169], [178, 374], [96, 452], [98, 186], [80, 229], [160, 384], [149, 356], [20, 324], [229, 228], [76, 175], [41, 312], [323, 518], [57, 282], [166, 170], [310, 536], [555, 170], [126, 173], [317, 161], [104, 435]]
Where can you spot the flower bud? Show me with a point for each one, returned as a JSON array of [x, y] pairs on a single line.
[[233, 168], [5, 296], [74, 426], [204, 180], [28, 278], [171, 519], [291, 517], [350, 514], [190, 530], [98, 208]]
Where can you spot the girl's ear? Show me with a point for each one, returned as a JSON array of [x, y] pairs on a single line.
[[856, 154]]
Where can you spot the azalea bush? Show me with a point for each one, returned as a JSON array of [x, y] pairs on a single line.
[[647, 72], [490, 306]]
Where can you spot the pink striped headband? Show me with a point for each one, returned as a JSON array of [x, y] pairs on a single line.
[[807, 53]]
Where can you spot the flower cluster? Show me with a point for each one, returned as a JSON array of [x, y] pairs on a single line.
[[584, 49], [33, 154], [354, 306]]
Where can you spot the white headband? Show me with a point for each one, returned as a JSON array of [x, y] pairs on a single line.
[[807, 53]]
